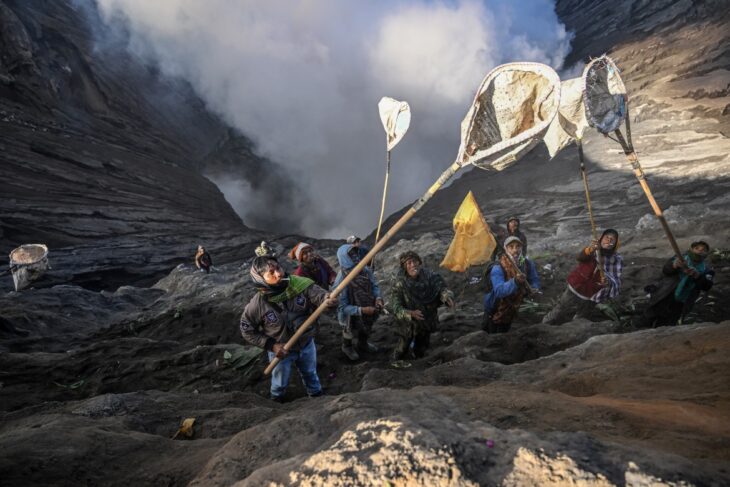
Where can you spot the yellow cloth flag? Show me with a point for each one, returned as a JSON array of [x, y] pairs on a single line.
[[473, 243]]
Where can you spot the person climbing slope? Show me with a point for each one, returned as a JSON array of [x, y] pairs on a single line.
[[415, 298], [512, 277], [359, 305], [587, 285], [280, 306]]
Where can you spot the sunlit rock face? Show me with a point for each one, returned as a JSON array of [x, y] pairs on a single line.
[[673, 59]]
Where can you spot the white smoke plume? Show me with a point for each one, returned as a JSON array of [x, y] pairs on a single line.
[[302, 80]]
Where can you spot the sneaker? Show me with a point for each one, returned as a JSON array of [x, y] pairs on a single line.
[[279, 399], [350, 352], [318, 393]]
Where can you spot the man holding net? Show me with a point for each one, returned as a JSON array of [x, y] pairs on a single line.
[[280, 306], [595, 279]]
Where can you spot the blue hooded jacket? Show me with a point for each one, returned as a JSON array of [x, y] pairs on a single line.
[[344, 308], [502, 287]]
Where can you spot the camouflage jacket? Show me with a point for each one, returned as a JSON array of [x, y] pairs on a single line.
[[425, 293]]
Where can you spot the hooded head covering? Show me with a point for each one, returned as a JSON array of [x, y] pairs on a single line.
[[287, 288], [695, 257], [345, 258], [296, 252], [258, 267]]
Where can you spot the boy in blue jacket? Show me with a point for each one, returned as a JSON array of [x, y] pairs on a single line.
[[512, 278]]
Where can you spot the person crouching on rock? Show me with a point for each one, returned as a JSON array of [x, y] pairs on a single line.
[[359, 304], [415, 298], [512, 277], [312, 265], [674, 295], [203, 260], [586, 286], [274, 314]]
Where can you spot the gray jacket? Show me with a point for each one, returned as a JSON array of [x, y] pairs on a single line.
[[264, 323]]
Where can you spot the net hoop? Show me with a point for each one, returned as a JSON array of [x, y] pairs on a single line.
[[511, 111], [604, 95]]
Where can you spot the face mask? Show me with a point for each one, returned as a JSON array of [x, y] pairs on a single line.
[[697, 257]]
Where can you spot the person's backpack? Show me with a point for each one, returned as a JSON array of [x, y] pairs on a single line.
[[487, 277]]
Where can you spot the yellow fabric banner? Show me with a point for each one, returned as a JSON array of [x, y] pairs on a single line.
[[473, 243]]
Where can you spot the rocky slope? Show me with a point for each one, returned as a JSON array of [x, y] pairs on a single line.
[[96, 379], [95, 384], [103, 159]]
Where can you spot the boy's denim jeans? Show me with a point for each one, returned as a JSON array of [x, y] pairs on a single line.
[[306, 362]]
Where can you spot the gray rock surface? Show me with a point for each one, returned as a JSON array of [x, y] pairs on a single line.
[[103, 159]]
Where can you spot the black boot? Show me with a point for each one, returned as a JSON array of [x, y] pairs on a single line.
[[364, 346]]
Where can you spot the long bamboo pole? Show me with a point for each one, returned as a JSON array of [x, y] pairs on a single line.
[[445, 176], [594, 235], [639, 173], [385, 193]]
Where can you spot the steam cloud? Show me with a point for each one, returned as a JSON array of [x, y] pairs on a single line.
[[302, 80]]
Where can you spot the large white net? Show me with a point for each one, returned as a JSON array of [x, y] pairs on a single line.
[[604, 95], [596, 99], [511, 112]]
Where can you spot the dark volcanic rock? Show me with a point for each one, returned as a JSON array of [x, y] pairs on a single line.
[[101, 158]]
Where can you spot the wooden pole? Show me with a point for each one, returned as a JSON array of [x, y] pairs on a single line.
[[639, 173], [530, 289], [594, 235], [385, 193], [445, 176]]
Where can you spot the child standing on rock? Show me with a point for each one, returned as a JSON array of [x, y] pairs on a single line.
[[281, 305]]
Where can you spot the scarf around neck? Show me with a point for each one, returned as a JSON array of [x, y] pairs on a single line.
[[296, 286], [426, 287], [686, 283]]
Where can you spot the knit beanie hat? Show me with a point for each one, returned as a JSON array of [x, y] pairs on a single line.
[[296, 252], [408, 255]]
